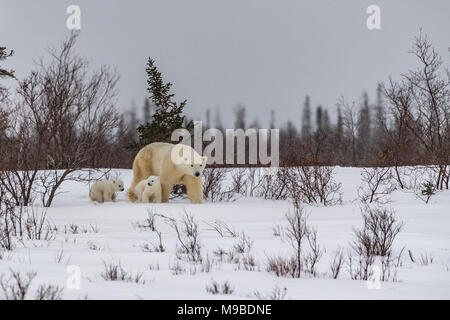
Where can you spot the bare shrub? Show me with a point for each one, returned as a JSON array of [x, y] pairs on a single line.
[[149, 247], [148, 223], [315, 252], [232, 257], [313, 184], [24, 223], [420, 181], [278, 230], [247, 262], [223, 229], [283, 266], [243, 244], [65, 120], [94, 247], [159, 247], [360, 265], [17, 286], [113, 271], [73, 228], [295, 234], [48, 292], [377, 185], [188, 236], [153, 267], [379, 230], [239, 183], [220, 253], [60, 256], [213, 189], [216, 288], [7, 238], [376, 238], [177, 268], [253, 178], [337, 263], [422, 97], [207, 264], [276, 294], [273, 185], [389, 266], [424, 259]]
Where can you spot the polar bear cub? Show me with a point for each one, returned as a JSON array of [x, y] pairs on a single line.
[[148, 190], [105, 190]]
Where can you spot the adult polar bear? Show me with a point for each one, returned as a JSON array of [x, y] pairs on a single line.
[[174, 164]]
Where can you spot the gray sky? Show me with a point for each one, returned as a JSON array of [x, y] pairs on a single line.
[[264, 54]]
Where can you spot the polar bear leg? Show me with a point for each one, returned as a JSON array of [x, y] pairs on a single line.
[[157, 197], [194, 189], [107, 196], [166, 189]]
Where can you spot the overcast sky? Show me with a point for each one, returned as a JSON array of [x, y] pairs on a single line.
[[264, 54]]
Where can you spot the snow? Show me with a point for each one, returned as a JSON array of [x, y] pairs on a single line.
[[426, 231]]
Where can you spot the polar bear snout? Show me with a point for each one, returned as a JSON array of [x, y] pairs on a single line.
[[197, 174], [149, 184]]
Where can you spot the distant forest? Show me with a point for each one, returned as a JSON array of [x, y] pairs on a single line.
[[67, 117]]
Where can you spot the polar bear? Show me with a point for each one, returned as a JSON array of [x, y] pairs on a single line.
[[174, 164], [148, 190], [105, 190]]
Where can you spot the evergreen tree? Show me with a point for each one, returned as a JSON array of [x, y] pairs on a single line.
[[339, 124], [319, 119], [4, 54], [272, 119], [291, 133], [380, 117], [239, 112], [306, 119], [364, 129], [168, 114], [147, 111], [326, 121]]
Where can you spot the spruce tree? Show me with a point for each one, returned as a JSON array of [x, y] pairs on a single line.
[[147, 109], [339, 125], [4, 54], [380, 117], [239, 113], [306, 119], [319, 119], [364, 129], [326, 121], [167, 114]]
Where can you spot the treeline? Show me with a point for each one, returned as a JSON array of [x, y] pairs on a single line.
[[64, 116]]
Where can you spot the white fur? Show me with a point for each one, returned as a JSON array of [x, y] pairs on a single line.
[[105, 190], [148, 190]]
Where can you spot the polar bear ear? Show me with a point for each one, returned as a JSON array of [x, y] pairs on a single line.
[[204, 159]]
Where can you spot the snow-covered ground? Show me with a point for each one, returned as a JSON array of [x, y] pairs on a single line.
[[115, 238]]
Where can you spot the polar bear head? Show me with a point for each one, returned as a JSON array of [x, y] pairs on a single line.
[[188, 160], [152, 180], [118, 185], [194, 169]]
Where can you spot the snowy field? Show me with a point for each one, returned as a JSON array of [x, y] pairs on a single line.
[[109, 235]]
